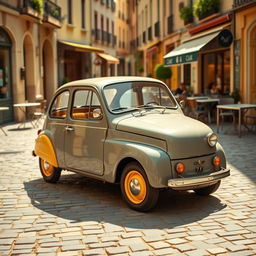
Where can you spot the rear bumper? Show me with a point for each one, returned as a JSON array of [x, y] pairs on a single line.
[[197, 182]]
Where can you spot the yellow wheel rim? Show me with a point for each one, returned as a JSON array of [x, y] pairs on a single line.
[[135, 187], [47, 168]]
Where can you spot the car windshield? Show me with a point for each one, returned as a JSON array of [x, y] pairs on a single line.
[[130, 96]]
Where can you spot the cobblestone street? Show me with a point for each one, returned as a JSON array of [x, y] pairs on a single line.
[[81, 216]]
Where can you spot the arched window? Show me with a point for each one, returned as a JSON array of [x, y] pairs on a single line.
[[5, 40]]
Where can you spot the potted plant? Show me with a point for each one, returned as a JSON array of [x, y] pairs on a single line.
[[162, 72], [204, 8], [186, 14], [36, 5]]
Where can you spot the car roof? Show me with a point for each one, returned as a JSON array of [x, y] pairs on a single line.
[[100, 82]]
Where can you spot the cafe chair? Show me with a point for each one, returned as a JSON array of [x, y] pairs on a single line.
[[39, 114], [196, 111], [227, 113], [250, 119]]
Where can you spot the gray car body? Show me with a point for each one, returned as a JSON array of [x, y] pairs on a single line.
[[157, 139]]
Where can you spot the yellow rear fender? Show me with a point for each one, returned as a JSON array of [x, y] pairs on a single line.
[[44, 149]]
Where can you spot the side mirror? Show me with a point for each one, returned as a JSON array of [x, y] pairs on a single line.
[[97, 114], [182, 104]]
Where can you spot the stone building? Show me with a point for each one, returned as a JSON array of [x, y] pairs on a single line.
[[103, 29], [27, 53]]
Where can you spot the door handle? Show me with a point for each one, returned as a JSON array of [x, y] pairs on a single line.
[[69, 128]]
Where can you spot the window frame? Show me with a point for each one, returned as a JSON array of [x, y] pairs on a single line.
[[50, 109], [91, 90]]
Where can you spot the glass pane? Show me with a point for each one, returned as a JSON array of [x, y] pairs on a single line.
[[127, 96], [4, 38], [86, 105], [5, 88], [60, 105]]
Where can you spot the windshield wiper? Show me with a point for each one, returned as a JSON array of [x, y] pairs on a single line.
[[124, 108]]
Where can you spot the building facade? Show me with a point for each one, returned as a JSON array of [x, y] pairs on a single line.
[[245, 49], [150, 35], [74, 41], [212, 63], [27, 53], [103, 29]]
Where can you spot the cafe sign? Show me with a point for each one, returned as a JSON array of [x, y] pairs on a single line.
[[225, 38], [180, 59]]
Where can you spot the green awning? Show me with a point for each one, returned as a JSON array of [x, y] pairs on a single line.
[[188, 51]]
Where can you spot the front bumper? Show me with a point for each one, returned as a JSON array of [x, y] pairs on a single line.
[[197, 182]]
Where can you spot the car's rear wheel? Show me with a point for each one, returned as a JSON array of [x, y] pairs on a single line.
[[136, 190], [50, 173], [207, 190]]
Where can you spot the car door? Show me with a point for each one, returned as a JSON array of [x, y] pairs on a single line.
[[85, 133]]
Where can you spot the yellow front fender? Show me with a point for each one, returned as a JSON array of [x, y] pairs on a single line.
[[44, 149]]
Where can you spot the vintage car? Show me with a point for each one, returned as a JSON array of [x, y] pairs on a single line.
[[132, 131]]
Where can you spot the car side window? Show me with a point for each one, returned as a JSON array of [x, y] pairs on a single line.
[[86, 105], [60, 105]]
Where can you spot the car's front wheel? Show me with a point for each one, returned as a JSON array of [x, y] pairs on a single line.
[[50, 173], [207, 190], [136, 190]]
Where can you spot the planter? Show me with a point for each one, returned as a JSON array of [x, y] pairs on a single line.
[[208, 15]]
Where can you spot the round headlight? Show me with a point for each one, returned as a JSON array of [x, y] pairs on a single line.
[[212, 139]]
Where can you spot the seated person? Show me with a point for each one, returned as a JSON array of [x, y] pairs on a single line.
[[181, 90]]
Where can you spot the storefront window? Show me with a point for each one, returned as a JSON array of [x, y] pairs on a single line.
[[216, 73], [5, 88]]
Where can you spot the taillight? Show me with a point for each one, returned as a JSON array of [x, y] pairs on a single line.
[[216, 161], [39, 131], [180, 168]]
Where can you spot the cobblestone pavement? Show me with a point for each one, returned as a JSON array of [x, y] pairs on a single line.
[[80, 216]]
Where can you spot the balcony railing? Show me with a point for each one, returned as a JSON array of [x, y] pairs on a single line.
[[47, 11], [52, 13], [113, 40], [31, 9], [241, 3], [108, 37], [157, 29], [96, 33], [144, 37], [170, 24], [149, 33], [13, 4]]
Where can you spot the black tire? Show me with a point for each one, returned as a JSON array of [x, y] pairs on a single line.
[[136, 190], [207, 190], [50, 173]]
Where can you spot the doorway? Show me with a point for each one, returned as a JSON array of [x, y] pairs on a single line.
[[6, 98]]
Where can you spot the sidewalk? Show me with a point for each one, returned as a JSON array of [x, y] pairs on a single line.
[[80, 216]]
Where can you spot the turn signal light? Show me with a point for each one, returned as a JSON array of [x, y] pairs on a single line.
[[180, 168], [216, 161]]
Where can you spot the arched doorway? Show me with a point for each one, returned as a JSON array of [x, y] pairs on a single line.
[[252, 65], [48, 74], [28, 55], [6, 99]]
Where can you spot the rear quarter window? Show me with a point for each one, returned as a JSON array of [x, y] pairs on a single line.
[[59, 106]]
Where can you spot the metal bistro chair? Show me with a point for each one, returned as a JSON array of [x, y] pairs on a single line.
[[227, 113], [195, 111], [39, 114], [252, 117]]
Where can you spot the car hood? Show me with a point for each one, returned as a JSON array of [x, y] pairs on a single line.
[[185, 137]]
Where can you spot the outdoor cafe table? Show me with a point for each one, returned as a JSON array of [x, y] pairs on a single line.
[[207, 102], [241, 108], [3, 109], [22, 107]]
